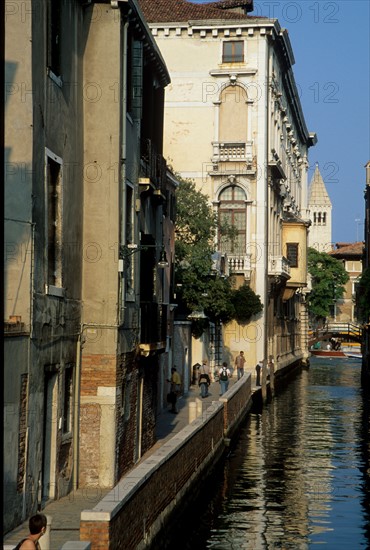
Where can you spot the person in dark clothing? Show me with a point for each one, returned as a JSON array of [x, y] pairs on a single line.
[[175, 382], [258, 373], [37, 526]]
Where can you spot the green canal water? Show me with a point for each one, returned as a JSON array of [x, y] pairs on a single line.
[[298, 476]]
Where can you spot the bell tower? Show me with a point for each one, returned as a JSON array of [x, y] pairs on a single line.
[[320, 207]]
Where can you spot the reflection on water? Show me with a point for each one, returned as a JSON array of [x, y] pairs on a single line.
[[299, 474]]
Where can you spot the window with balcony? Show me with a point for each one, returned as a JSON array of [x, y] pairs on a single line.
[[233, 116], [232, 221], [233, 51], [232, 144]]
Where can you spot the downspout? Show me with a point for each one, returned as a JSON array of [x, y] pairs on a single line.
[[122, 183], [76, 416]]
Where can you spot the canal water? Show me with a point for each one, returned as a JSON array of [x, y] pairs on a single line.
[[298, 476]]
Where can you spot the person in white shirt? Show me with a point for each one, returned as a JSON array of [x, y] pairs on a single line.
[[203, 378]]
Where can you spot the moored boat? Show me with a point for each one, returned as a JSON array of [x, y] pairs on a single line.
[[328, 353], [350, 351], [353, 355]]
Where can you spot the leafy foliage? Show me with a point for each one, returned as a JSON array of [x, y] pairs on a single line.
[[218, 302], [363, 295], [328, 277], [197, 286], [246, 303]]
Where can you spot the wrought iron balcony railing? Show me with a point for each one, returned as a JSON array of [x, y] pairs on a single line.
[[153, 165]]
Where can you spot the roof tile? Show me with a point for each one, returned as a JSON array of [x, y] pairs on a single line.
[[165, 11]]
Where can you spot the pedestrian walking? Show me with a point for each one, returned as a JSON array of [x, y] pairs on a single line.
[[175, 382], [203, 378], [37, 526], [239, 363], [223, 377]]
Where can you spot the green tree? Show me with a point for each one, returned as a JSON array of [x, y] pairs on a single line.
[[198, 287], [328, 278], [246, 303], [363, 295]]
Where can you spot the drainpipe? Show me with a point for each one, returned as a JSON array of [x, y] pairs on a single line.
[[76, 416], [122, 160]]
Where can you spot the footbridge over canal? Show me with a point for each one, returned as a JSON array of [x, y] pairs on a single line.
[[346, 332]]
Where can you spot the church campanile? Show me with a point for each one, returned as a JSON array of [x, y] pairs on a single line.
[[319, 204]]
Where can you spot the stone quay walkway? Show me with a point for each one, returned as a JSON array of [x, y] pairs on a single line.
[[65, 512]]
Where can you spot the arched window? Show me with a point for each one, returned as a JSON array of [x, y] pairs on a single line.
[[232, 215]]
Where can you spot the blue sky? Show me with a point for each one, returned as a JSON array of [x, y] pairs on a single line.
[[331, 45]]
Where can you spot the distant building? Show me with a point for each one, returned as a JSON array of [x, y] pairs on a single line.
[[351, 254], [320, 207], [234, 124]]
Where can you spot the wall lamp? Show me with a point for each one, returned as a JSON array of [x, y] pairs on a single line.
[[130, 249]]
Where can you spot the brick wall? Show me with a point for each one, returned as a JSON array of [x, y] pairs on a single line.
[[22, 435], [97, 371], [150, 372], [144, 498], [162, 488], [126, 413], [237, 402]]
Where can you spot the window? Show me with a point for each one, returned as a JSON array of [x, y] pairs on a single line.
[[54, 219], [129, 262], [292, 254], [54, 36], [319, 218], [233, 123], [126, 397], [67, 405], [134, 73], [233, 52], [232, 216]]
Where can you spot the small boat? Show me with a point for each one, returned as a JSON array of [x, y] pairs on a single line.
[[349, 351], [328, 353], [353, 355]]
